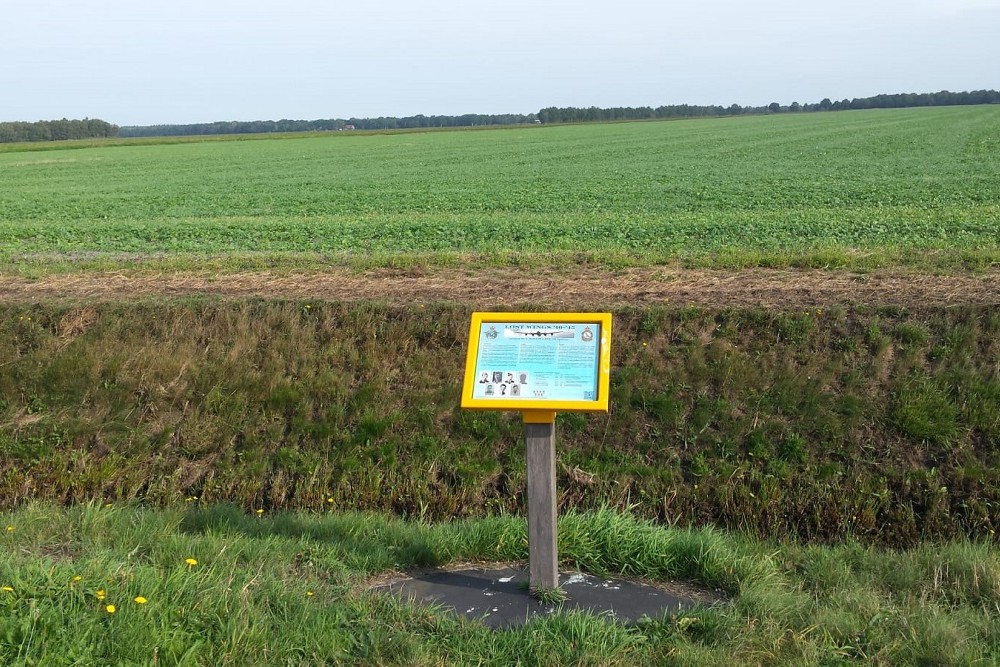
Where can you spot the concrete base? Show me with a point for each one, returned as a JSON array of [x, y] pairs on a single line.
[[499, 598]]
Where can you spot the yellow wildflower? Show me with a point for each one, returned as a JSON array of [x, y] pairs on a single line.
[[77, 579], [259, 512], [10, 529], [110, 609], [309, 594], [101, 594], [7, 589], [191, 562], [141, 600]]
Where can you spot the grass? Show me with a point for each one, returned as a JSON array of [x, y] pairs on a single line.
[[877, 425], [199, 466], [917, 187], [289, 588], [549, 596]]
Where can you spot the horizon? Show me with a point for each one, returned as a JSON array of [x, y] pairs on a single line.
[[188, 63], [783, 104]]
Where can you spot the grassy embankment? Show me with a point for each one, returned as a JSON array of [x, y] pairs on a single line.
[[121, 585], [876, 425], [911, 187]]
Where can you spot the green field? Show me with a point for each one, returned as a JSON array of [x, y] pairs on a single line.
[[910, 186], [831, 468]]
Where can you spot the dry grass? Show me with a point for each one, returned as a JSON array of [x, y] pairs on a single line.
[[787, 289]]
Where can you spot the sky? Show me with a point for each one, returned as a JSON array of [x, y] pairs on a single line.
[[144, 62]]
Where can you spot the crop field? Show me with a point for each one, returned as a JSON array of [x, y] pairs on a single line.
[[913, 187], [230, 372]]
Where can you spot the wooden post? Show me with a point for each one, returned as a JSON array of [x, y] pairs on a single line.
[[543, 555]]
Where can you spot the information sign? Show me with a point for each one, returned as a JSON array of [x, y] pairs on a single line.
[[538, 361]]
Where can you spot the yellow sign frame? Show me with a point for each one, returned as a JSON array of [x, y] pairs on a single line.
[[539, 410]]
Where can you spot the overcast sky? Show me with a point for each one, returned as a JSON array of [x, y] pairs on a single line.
[[140, 62]]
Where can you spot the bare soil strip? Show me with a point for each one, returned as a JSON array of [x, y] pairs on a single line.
[[590, 288]]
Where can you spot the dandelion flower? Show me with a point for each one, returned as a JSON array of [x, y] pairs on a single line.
[[191, 562], [329, 500], [259, 512], [77, 579], [141, 600], [101, 594], [110, 609], [7, 589], [10, 529], [309, 594]]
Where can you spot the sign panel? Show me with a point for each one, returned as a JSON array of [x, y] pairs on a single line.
[[538, 361]]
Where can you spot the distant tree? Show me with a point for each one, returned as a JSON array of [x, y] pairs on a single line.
[[56, 130], [48, 130]]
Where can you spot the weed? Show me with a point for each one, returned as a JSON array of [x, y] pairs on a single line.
[[924, 412], [549, 596]]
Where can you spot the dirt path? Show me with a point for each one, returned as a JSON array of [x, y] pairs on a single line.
[[783, 289]]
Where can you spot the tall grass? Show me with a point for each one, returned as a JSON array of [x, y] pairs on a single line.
[[878, 425], [226, 586]]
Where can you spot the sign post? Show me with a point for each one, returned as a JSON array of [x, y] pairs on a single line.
[[543, 551], [539, 364]]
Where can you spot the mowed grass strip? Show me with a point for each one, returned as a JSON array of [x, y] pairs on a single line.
[[116, 584], [732, 191]]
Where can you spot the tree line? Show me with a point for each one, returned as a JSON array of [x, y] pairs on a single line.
[[896, 101], [332, 124], [56, 130], [88, 128]]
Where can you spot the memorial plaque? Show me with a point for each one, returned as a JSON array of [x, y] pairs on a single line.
[[538, 361]]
